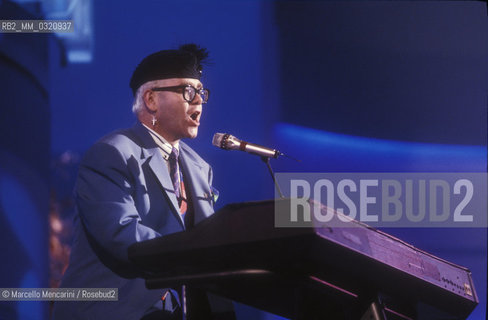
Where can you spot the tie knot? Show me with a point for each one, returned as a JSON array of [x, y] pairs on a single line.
[[174, 154]]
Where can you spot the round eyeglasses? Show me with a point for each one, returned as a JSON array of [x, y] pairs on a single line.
[[189, 92]]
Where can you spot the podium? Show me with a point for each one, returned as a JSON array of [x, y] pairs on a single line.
[[350, 271]]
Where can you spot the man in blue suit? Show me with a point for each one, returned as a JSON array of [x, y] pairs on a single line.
[[138, 184]]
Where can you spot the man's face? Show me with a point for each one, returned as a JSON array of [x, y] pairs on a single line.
[[176, 117]]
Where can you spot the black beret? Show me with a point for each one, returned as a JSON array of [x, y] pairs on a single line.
[[184, 62]]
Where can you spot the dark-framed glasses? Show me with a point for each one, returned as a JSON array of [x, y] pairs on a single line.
[[189, 92]]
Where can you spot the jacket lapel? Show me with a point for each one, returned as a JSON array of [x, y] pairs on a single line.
[[150, 151], [196, 181]]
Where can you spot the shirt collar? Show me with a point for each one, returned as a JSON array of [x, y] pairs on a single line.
[[162, 143]]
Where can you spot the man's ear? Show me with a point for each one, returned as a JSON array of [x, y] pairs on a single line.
[[149, 97]]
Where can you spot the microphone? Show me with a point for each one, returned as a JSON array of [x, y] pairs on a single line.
[[228, 142]]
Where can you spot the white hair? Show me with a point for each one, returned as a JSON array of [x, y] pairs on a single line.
[[138, 104]]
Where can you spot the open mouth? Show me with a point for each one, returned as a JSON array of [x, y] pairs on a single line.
[[194, 116]]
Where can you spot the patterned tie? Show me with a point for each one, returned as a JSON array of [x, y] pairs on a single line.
[[177, 179]]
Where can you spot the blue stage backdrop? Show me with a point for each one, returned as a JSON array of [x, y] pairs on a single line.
[[344, 86], [24, 164]]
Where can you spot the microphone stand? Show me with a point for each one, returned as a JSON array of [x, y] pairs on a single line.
[[266, 160]]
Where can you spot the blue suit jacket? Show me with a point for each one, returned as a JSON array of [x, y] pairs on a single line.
[[124, 194]]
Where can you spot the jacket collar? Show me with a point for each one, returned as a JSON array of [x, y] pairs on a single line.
[[151, 154], [190, 165]]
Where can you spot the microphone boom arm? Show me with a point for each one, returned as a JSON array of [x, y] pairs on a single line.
[[271, 172]]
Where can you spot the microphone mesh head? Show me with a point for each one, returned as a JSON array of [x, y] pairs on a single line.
[[217, 140]]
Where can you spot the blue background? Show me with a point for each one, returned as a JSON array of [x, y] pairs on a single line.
[[345, 87]]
